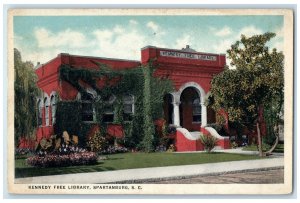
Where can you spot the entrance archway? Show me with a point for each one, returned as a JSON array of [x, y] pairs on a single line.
[[198, 101], [190, 109]]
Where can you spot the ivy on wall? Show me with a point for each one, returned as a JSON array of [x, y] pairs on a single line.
[[148, 92], [148, 127]]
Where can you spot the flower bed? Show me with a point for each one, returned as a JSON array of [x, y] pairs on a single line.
[[22, 153], [55, 160], [161, 148], [114, 150]]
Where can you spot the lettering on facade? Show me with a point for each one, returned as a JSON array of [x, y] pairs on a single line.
[[188, 55]]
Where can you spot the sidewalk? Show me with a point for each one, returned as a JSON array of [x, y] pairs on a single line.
[[155, 172], [238, 150]]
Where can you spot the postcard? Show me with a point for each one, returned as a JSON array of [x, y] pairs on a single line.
[[150, 101]]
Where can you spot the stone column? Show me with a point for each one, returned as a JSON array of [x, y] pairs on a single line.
[[203, 115], [176, 113]]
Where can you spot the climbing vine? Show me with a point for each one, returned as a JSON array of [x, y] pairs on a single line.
[[148, 92], [148, 126]]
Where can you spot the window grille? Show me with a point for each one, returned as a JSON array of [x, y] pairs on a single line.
[[128, 107], [108, 115], [196, 110], [87, 107]]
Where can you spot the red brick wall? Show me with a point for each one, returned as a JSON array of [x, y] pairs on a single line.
[[183, 70], [224, 144], [183, 144], [179, 70]]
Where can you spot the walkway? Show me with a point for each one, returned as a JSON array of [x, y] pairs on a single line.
[[156, 172], [238, 150]]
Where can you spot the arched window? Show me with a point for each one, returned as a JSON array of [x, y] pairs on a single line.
[[108, 115], [39, 113], [53, 108], [88, 111], [196, 110], [46, 105], [128, 108]]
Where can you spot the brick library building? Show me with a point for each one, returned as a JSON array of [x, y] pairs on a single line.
[[183, 108]]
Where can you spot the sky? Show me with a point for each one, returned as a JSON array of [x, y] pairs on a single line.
[[41, 38]]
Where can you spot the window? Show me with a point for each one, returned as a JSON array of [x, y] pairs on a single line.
[[53, 108], [46, 104], [196, 110], [108, 115], [128, 108], [40, 114], [88, 113]]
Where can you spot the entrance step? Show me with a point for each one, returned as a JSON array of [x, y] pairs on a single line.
[[195, 134], [223, 142], [189, 135], [187, 141]]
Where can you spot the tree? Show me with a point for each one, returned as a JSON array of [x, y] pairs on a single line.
[[255, 83], [25, 97]]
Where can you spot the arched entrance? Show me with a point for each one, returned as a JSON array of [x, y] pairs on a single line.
[[191, 114], [190, 109]]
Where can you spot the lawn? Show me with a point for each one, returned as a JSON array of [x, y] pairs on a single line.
[[131, 160]]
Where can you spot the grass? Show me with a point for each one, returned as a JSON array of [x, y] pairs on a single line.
[[129, 161], [279, 148]]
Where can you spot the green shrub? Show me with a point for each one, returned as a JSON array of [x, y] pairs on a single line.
[[208, 141], [68, 118]]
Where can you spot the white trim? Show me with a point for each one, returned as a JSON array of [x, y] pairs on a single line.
[[215, 134], [176, 114], [203, 115], [111, 100], [131, 102], [47, 101], [92, 92], [95, 96], [202, 96], [189, 135], [78, 96], [46, 107], [198, 88], [53, 93], [45, 95], [53, 103], [40, 105], [39, 99], [88, 90]]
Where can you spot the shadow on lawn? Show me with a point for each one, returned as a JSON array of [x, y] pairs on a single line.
[[115, 158], [32, 171]]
